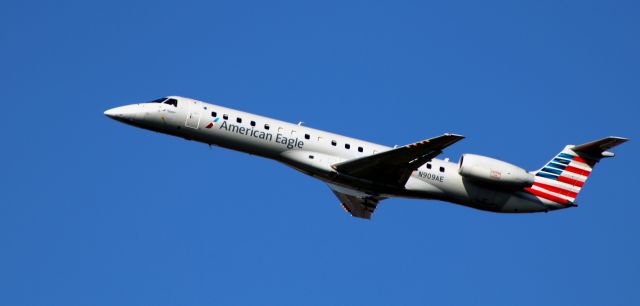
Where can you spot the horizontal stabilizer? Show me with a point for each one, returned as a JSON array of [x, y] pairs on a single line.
[[598, 148]]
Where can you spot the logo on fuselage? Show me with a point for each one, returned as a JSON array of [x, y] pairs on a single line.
[[210, 125]]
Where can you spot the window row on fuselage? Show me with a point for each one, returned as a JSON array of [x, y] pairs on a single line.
[[429, 167], [307, 136], [174, 102]]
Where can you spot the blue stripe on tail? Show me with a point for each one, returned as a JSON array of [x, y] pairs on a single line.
[[565, 155], [562, 161], [547, 175], [551, 170], [557, 166]]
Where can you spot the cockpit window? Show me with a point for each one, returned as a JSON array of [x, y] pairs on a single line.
[[173, 102], [158, 100]]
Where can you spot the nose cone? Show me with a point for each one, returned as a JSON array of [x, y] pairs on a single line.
[[124, 113], [111, 113]]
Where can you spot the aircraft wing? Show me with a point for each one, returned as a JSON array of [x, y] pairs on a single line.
[[361, 206], [394, 167]]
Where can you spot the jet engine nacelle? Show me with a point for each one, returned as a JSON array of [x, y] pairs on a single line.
[[492, 171]]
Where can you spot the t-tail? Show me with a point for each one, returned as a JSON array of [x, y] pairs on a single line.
[[561, 179]]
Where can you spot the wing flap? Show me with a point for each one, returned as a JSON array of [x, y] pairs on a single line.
[[357, 206]]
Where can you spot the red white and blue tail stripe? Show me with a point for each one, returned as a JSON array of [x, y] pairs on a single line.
[[562, 178]]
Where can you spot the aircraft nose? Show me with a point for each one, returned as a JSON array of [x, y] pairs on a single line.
[[127, 112]]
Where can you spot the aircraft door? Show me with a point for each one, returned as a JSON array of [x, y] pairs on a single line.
[[193, 116]]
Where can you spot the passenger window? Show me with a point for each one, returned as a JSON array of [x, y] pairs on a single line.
[[279, 130], [428, 166], [214, 114], [441, 169], [266, 126], [333, 143], [319, 138], [307, 136], [253, 123], [347, 146], [360, 149], [239, 120], [225, 117]]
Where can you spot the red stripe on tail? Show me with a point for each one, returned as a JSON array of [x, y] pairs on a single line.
[[556, 190], [577, 171], [589, 162], [569, 181], [547, 196]]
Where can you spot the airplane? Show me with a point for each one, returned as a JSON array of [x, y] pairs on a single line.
[[361, 173]]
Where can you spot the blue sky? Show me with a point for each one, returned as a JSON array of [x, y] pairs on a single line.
[[93, 212]]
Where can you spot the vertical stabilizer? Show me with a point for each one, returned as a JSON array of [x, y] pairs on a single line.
[[562, 178]]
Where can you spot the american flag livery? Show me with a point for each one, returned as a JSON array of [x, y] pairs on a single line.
[[560, 180]]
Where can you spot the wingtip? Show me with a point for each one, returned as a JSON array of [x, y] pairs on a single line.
[[454, 135], [622, 139]]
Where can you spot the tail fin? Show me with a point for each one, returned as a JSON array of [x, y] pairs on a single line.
[[562, 178]]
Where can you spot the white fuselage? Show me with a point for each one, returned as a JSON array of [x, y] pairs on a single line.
[[313, 152]]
